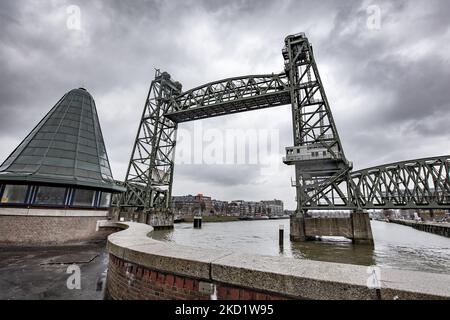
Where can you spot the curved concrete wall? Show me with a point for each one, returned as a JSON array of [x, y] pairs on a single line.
[[143, 268], [36, 227]]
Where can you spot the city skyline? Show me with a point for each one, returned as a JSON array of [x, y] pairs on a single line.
[[190, 205]]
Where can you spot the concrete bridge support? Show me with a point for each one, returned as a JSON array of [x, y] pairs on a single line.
[[361, 229], [356, 227], [157, 218], [297, 226], [160, 219]]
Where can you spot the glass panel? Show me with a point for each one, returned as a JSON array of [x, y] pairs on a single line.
[[68, 130], [50, 196], [28, 159], [14, 194], [88, 150], [83, 198], [55, 153], [64, 145], [87, 166], [105, 200]]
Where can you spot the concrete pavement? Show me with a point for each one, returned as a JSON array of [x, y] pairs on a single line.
[[41, 273]]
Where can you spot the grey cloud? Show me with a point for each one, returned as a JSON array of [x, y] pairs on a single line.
[[221, 175]]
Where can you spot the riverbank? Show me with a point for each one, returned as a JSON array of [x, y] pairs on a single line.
[[441, 229]]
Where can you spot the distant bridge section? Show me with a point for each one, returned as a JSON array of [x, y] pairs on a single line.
[[229, 96], [412, 184]]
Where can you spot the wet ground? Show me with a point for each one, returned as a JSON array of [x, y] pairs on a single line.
[[41, 273]]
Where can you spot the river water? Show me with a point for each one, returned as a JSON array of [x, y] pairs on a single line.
[[395, 246]]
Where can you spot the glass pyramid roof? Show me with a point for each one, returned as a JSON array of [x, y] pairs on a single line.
[[66, 147]]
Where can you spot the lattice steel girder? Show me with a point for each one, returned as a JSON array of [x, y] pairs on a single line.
[[413, 184], [421, 183], [150, 172], [136, 196], [312, 117], [317, 154], [230, 96]]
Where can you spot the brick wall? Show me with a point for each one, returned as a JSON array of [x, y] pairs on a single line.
[[128, 281], [42, 230], [225, 292]]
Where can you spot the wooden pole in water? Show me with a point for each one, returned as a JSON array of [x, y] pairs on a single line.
[[281, 235], [197, 222]]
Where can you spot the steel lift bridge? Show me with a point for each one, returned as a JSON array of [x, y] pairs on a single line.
[[324, 178]]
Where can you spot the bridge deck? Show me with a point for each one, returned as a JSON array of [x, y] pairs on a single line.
[[229, 96], [267, 100]]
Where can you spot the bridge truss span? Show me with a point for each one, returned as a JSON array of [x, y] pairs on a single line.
[[231, 95], [413, 184]]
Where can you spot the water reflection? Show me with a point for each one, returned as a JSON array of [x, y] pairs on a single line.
[[334, 250], [395, 245]]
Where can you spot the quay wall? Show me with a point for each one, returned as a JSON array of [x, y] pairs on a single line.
[[42, 227], [441, 229], [143, 268]]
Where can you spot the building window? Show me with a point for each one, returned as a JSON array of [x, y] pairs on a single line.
[[14, 194], [50, 196], [84, 198], [105, 200]]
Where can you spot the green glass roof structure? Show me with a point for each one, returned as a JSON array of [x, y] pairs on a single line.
[[66, 147]]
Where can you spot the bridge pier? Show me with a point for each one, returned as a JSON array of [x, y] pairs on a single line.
[[157, 218], [356, 227], [361, 229], [160, 219], [297, 227]]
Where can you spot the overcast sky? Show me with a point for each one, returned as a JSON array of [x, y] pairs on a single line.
[[388, 87]]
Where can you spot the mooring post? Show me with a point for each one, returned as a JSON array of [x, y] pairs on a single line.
[[197, 222], [281, 235]]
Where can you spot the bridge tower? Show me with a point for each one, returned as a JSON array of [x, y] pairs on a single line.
[[317, 154], [150, 171]]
